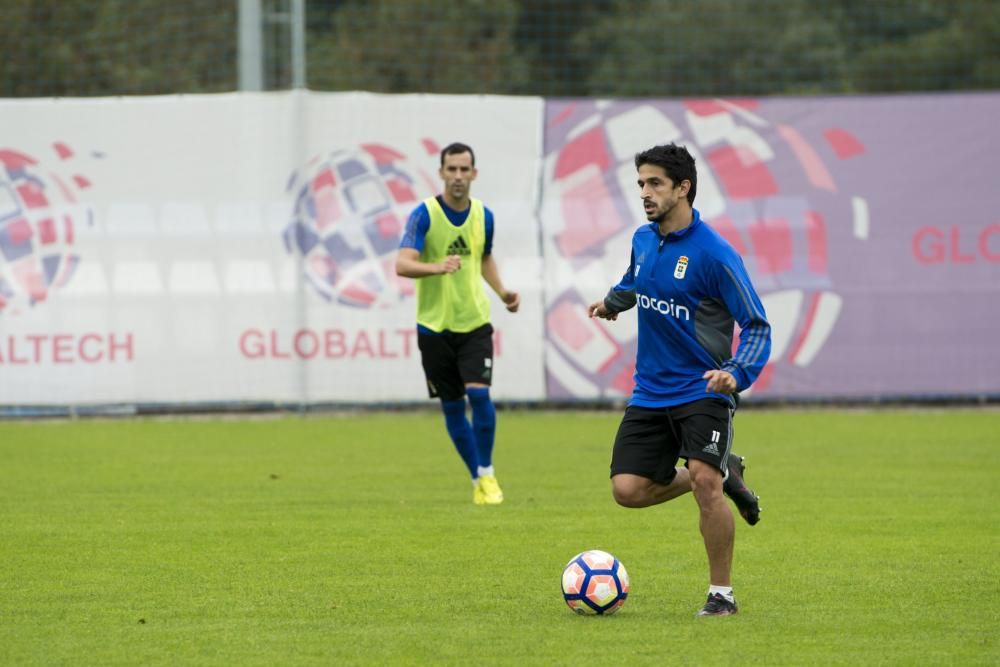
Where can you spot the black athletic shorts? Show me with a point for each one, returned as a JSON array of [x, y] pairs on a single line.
[[650, 441], [452, 360]]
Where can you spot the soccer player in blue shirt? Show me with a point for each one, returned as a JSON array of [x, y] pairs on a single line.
[[690, 287]]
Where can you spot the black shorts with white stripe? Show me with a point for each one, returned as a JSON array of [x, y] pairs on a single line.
[[650, 441]]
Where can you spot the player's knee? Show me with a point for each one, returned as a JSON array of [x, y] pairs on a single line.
[[706, 483], [628, 495]]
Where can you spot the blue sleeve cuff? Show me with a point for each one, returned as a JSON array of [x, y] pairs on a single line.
[[741, 377]]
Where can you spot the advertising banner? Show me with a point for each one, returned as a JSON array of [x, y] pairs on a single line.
[[241, 247], [870, 226]]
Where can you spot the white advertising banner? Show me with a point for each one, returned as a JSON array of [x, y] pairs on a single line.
[[240, 247]]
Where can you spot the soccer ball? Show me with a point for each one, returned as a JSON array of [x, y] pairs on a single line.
[[595, 582]]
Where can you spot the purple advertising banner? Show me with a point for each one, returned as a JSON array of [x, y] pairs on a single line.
[[870, 227]]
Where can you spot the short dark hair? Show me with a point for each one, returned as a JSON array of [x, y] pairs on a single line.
[[455, 148], [676, 161]]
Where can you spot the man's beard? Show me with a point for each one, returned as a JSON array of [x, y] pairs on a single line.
[[665, 213]]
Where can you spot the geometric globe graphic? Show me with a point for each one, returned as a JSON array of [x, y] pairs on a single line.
[[39, 220], [350, 211], [763, 186]]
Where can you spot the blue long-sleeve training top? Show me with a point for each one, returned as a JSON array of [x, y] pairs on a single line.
[[690, 286]]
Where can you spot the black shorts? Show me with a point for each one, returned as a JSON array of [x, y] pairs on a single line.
[[650, 441], [452, 360]]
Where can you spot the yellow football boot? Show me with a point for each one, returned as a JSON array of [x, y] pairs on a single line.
[[478, 495], [488, 491]]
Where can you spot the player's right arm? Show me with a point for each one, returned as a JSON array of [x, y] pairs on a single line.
[[598, 309], [619, 298], [408, 263]]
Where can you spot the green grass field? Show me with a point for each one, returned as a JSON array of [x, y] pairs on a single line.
[[353, 540]]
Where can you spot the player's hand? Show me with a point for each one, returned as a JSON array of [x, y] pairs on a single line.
[[598, 309], [512, 300], [719, 382], [451, 264]]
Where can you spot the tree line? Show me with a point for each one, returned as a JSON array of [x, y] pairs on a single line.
[[605, 48]]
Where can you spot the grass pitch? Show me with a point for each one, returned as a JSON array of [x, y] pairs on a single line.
[[353, 540]]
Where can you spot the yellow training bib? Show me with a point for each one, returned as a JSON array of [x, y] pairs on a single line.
[[454, 301]]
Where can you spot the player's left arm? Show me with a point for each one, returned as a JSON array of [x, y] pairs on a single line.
[[754, 348], [490, 270], [491, 274]]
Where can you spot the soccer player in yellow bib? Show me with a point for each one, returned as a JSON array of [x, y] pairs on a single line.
[[448, 248]]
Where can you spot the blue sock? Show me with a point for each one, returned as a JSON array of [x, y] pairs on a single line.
[[484, 423], [461, 433]]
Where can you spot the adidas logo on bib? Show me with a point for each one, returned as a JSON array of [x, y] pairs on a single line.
[[459, 247]]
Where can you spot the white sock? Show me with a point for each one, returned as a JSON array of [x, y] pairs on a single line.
[[724, 591], [485, 471]]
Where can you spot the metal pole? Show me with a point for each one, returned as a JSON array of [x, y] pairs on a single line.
[[296, 18], [298, 11], [251, 53]]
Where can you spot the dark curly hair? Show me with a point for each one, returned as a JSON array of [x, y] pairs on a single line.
[[676, 161]]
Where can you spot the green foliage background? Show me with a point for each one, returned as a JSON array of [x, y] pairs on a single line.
[[653, 48]]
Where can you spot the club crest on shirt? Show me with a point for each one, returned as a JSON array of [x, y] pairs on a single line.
[[681, 268]]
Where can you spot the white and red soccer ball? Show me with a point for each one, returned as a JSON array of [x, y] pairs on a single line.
[[595, 583]]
